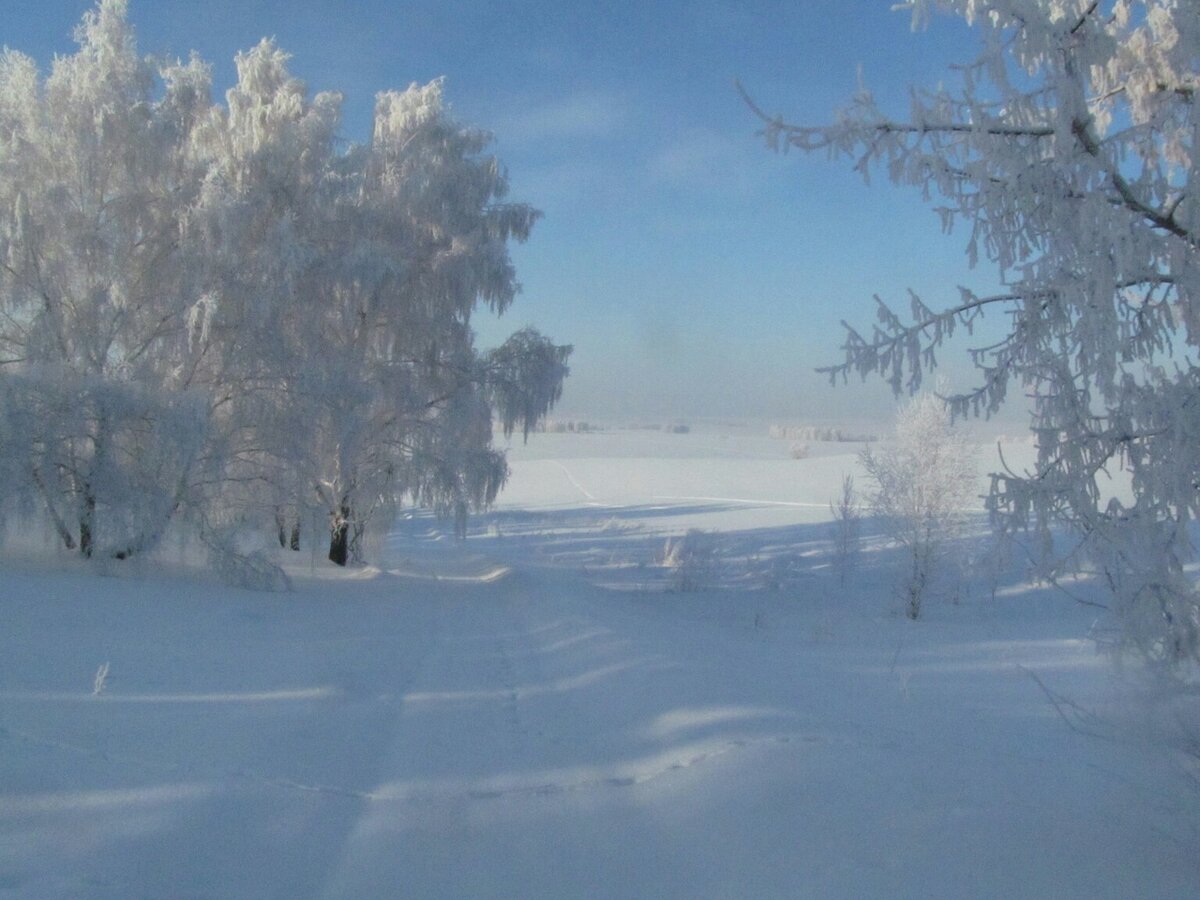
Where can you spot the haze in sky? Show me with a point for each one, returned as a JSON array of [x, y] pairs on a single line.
[[696, 273]]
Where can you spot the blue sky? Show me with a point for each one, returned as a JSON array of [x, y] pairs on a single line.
[[696, 273]]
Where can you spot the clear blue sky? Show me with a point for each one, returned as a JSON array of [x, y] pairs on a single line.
[[695, 272]]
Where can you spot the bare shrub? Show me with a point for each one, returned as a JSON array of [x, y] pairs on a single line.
[[847, 520], [691, 560]]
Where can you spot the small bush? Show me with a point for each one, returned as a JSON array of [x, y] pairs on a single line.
[[691, 561]]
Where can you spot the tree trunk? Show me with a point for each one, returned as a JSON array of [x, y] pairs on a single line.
[[339, 537], [64, 532], [87, 516], [87, 522], [460, 520], [287, 539]]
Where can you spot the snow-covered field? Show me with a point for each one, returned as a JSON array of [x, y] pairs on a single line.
[[536, 714]]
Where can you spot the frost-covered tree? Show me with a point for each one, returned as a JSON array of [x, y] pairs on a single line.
[[355, 277], [351, 277], [410, 236], [100, 406], [924, 488], [266, 230], [1067, 151], [229, 312]]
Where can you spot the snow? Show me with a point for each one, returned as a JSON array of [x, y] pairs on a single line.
[[532, 714]]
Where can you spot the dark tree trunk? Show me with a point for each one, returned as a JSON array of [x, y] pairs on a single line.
[[288, 539], [87, 522], [339, 537]]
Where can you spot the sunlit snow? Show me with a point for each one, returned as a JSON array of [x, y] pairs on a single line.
[[534, 713]]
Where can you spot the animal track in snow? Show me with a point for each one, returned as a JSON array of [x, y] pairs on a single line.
[[628, 775]]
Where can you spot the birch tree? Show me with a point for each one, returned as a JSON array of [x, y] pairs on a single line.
[[97, 359], [349, 277], [262, 233], [398, 399], [923, 490]]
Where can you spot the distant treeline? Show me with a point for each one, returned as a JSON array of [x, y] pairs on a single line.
[[566, 426], [552, 426], [819, 433], [669, 428]]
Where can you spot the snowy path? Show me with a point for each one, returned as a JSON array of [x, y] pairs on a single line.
[[536, 736], [591, 498]]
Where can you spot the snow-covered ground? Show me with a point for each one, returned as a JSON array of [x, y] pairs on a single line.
[[535, 714]]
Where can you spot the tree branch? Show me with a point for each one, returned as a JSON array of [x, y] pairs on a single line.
[[1165, 221]]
